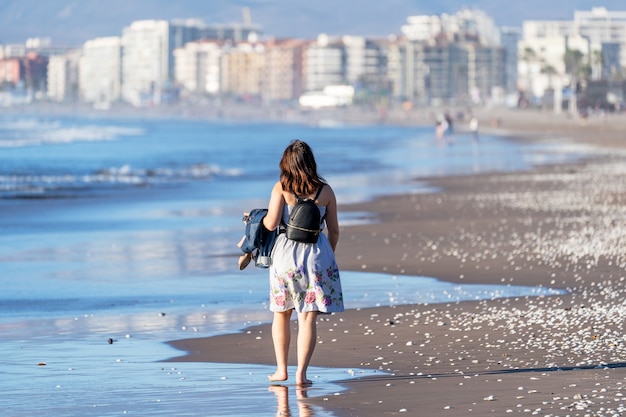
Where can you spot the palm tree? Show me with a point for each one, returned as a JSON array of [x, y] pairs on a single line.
[[528, 56], [549, 70], [596, 64], [578, 71]]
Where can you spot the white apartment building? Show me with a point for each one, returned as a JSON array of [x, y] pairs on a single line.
[[63, 76], [366, 60], [197, 67], [356, 57], [541, 63], [598, 25], [599, 34], [324, 64], [145, 61], [100, 70]]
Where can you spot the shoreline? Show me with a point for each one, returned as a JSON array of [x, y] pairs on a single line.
[[556, 225]]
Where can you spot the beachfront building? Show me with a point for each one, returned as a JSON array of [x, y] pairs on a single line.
[[510, 37], [354, 61], [598, 25], [145, 61], [63, 76], [100, 71], [448, 59], [392, 51], [542, 65], [597, 36], [11, 72], [367, 67], [33, 70], [148, 60], [364, 61], [12, 82], [284, 80], [242, 71], [184, 31], [324, 64], [197, 67]]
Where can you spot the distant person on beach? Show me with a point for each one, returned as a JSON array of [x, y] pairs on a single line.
[[444, 129], [449, 123], [441, 127], [303, 276], [473, 126]]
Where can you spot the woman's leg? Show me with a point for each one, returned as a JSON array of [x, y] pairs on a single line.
[[307, 338], [281, 336]]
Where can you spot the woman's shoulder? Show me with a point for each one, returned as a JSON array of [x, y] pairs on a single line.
[[326, 194], [278, 187]]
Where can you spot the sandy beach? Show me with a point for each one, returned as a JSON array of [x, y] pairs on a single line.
[[560, 226]]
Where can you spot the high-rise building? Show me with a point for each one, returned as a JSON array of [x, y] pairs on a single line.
[[63, 76], [100, 70], [451, 58], [146, 61], [35, 73], [510, 38]]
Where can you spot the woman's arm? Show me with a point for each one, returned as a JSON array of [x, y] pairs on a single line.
[[332, 224], [275, 208]]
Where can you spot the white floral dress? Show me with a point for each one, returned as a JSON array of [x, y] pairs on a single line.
[[304, 276]]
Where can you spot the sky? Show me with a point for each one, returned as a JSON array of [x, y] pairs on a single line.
[[76, 21]]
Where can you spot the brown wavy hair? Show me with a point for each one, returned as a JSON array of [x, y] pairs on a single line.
[[298, 169]]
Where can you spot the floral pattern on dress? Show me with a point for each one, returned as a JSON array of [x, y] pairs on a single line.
[[322, 293]]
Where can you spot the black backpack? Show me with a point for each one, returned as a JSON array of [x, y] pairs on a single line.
[[305, 221]]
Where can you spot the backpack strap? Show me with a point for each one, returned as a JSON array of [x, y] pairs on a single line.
[[318, 192], [315, 199]]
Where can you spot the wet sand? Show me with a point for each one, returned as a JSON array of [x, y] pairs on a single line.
[[560, 226]]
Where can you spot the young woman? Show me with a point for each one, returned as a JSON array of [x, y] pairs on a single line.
[[303, 276]]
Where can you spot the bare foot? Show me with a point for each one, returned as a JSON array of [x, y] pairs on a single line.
[[305, 382], [277, 377]]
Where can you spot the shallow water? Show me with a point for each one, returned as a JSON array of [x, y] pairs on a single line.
[[57, 363]]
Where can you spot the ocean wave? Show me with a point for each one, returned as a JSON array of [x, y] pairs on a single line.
[[32, 132], [44, 185]]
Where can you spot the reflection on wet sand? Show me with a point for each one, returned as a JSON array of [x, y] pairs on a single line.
[[282, 398]]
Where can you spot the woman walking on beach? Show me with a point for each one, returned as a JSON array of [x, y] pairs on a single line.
[[303, 276]]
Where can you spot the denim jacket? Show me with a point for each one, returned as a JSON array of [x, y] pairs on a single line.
[[257, 237]]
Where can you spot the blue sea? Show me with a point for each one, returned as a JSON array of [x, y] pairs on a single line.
[[124, 231]]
